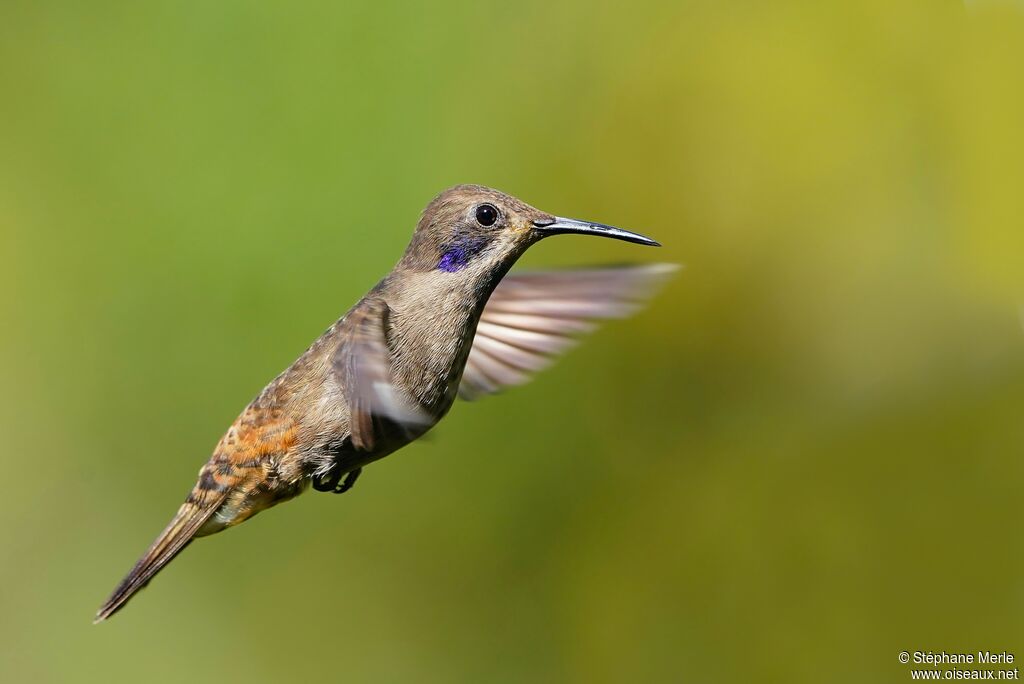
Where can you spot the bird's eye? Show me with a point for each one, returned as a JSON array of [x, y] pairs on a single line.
[[486, 214]]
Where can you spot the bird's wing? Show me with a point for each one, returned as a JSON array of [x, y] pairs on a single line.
[[362, 365], [532, 317]]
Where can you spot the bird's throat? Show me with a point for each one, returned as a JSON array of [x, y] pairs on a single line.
[[431, 328]]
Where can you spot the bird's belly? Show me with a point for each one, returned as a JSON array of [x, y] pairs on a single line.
[[344, 458], [245, 503]]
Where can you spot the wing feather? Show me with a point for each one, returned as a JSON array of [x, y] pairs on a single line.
[[532, 317], [362, 365]]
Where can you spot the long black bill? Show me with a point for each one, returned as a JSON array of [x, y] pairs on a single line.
[[557, 225]]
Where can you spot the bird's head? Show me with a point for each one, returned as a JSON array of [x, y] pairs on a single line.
[[478, 228]]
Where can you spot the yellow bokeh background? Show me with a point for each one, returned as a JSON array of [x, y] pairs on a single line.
[[804, 457]]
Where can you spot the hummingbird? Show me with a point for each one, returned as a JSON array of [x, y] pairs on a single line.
[[446, 322]]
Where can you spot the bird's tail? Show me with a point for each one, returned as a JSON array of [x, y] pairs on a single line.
[[181, 530]]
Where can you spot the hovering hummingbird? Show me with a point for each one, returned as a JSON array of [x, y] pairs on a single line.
[[445, 322]]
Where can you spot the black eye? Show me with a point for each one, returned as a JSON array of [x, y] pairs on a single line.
[[486, 214]]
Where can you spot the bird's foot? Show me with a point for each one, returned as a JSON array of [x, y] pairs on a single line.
[[331, 481], [350, 479]]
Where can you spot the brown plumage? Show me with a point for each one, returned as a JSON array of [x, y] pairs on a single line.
[[445, 322]]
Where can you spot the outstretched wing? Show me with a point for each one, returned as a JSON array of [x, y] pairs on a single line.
[[362, 364], [532, 317]]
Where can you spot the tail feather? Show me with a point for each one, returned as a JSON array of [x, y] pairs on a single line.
[[181, 530]]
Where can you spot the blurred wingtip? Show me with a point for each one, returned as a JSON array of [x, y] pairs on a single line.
[[662, 268], [534, 316]]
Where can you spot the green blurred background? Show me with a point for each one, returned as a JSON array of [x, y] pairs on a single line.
[[802, 458]]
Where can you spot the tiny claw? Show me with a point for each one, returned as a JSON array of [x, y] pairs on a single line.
[[350, 479], [326, 482], [331, 480]]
